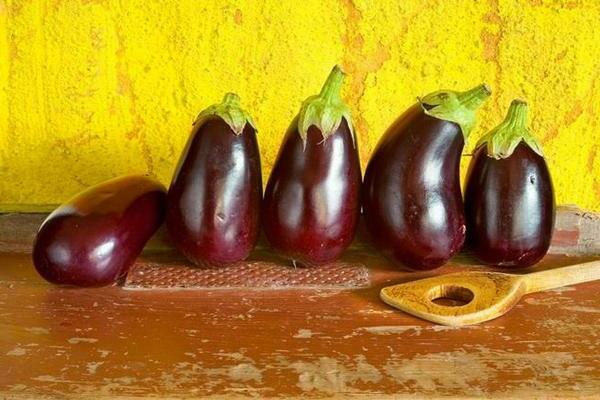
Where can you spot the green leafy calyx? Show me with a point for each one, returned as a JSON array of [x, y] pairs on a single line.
[[503, 139], [457, 107], [230, 111], [325, 110]]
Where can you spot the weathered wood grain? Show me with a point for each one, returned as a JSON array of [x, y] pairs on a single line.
[[111, 343], [576, 232]]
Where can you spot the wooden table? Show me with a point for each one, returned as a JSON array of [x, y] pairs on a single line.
[[112, 343]]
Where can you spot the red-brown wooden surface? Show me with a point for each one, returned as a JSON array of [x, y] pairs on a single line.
[[113, 343]]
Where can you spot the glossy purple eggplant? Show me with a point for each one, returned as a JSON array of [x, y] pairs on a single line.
[[213, 211], [509, 198], [412, 202], [311, 204], [93, 239]]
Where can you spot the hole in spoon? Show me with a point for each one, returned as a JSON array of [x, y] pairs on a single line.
[[450, 295]]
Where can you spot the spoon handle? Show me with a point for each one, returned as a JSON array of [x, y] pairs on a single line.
[[559, 277]]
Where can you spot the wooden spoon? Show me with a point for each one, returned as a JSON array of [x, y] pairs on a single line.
[[487, 295]]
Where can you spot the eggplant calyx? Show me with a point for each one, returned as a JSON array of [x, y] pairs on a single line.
[[457, 107], [503, 139], [326, 110], [230, 111]]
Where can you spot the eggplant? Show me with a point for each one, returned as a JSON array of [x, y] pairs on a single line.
[[312, 199], [411, 198], [94, 238], [213, 206], [509, 197]]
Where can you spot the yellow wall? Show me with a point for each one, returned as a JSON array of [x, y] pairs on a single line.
[[94, 89]]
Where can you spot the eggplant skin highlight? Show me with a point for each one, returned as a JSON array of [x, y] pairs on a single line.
[[213, 204], [411, 197], [312, 199], [94, 238], [509, 196]]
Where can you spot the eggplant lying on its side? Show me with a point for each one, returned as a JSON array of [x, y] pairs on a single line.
[[93, 239]]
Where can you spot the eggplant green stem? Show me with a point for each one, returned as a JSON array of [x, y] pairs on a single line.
[[457, 107], [474, 98], [503, 139], [333, 85], [326, 110], [230, 111], [231, 100]]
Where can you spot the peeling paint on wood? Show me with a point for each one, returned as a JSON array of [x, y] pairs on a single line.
[[110, 343]]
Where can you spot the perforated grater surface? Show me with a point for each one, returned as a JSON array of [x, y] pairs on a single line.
[[246, 274]]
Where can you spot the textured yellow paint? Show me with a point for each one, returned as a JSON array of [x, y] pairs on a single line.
[[94, 89]]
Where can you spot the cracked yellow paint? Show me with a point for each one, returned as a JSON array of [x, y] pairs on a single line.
[[94, 89]]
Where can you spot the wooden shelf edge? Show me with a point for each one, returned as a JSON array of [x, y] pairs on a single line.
[[576, 232]]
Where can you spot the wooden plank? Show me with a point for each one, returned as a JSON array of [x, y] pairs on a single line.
[[577, 232], [60, 342], [112, 343]]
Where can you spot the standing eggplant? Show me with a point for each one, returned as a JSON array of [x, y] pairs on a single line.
[[509, 199], [311, 204], [213, 206], [412, 200], [93, 239]]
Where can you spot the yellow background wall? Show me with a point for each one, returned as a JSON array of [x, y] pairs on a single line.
[[94, 89]]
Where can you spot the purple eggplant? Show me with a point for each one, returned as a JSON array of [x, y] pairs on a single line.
[[312, 198], [213, 207], [509, 198], [93, 239], [412, 202]]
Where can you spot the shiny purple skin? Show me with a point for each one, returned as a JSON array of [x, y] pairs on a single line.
[[95, 238], [509, 207], [311, 204], [213, 211], [412, 201]]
